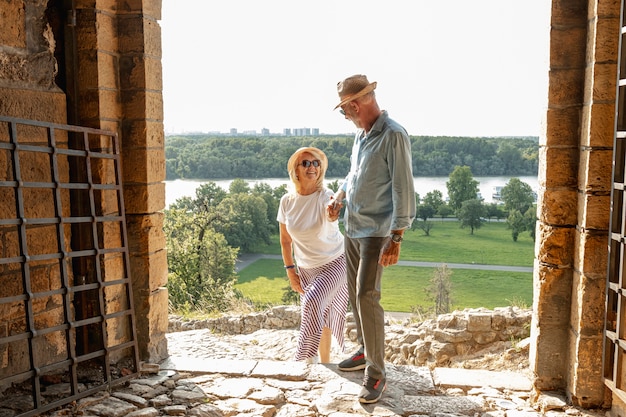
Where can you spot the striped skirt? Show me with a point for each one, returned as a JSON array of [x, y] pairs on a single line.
[[323, 304]]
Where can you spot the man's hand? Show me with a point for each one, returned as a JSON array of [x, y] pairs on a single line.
[[389, 254], [334, 208]]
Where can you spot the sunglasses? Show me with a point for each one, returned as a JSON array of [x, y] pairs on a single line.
[[306, 163]]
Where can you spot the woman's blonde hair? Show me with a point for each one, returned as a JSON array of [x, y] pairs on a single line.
[[293, 163]]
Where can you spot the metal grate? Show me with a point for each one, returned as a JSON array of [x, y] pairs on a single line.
[[67, 323]]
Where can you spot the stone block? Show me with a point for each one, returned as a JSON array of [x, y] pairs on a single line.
[[143, 165], [599, 121], [146, 7], [141, 73], [603, 77], [566, 87], [13, 33], [144, 198], [587, 313], [567, 47], [139, 35], [595, 211], [593, 177], [563, 125], [556, 246], [106, 24], [607, 43], [148, 233], [557, 207], [592, 253], [141, 104], [149, 271], [143, 134], [586, 383], [47, 106], [559, 167], [569, 13], [552, 287], [151, 322], [478, 322], [107, 68]]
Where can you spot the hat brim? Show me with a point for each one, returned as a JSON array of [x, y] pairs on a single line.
[[369, 88]]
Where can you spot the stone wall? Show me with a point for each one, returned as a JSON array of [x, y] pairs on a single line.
[[432, 342]]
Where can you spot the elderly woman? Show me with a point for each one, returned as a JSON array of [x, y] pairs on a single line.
[[312, 249]]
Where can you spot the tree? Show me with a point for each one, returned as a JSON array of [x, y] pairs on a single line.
[[444, 211], [244, 221], [516, 223], [239, 186], [434, 199], [200, 262], [530, 221], [517, 195], [494, 210], [440, 290], [461, 186], [471, 214]]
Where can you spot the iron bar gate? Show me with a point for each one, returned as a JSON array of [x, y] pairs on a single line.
[[66, 306]]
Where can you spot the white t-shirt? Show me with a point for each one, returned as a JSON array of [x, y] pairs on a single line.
[[316, 240]]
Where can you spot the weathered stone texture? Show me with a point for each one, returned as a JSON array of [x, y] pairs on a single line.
[[556, 245], [152, 323], [149, 271], [557, 207], [558, 167], [140, 198], [564, 47], [601, 120], [562, 124], [144, 165]]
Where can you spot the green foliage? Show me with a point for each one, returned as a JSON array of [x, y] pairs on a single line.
[[461, 186], [516, 224], [201, 265], [517, 195], [202, 234], [471, 214], [217, 157]]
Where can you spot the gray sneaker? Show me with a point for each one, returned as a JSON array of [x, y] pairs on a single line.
[[372, 390], [353, 363]]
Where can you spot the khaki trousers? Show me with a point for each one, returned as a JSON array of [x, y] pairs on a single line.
[[364, 279]]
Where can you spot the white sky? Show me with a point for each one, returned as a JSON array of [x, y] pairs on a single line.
[[444, 67]]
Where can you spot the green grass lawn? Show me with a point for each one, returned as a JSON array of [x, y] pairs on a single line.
[[264, 282], [403, 287], [448, 243]]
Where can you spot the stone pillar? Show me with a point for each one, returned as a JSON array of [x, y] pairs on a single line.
[[574, 201], [143, 155]]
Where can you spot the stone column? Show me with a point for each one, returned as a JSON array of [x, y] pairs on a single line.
[[143, 152], [574, 201]]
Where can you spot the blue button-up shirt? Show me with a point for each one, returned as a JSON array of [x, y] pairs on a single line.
[[380, 194]]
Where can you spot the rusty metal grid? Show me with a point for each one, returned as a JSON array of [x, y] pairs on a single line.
[[72, 194]]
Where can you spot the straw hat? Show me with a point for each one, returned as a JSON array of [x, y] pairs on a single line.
[[352, 88]]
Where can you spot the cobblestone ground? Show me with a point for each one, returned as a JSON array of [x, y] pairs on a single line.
[[253, 375]]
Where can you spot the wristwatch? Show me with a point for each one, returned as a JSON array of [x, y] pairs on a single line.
[[396, 238]]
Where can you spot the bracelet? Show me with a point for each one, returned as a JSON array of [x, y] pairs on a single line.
[[290, 266]]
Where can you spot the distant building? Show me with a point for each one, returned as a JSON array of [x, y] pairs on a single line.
[[233, 131], [287, 131], [315, 131], [265, 132]]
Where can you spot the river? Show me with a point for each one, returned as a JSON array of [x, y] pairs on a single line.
[[423, 185]]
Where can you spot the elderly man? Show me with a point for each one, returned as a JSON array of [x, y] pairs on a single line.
[[380, 205]]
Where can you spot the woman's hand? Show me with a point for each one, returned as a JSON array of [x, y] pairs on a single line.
[[294, 280]]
